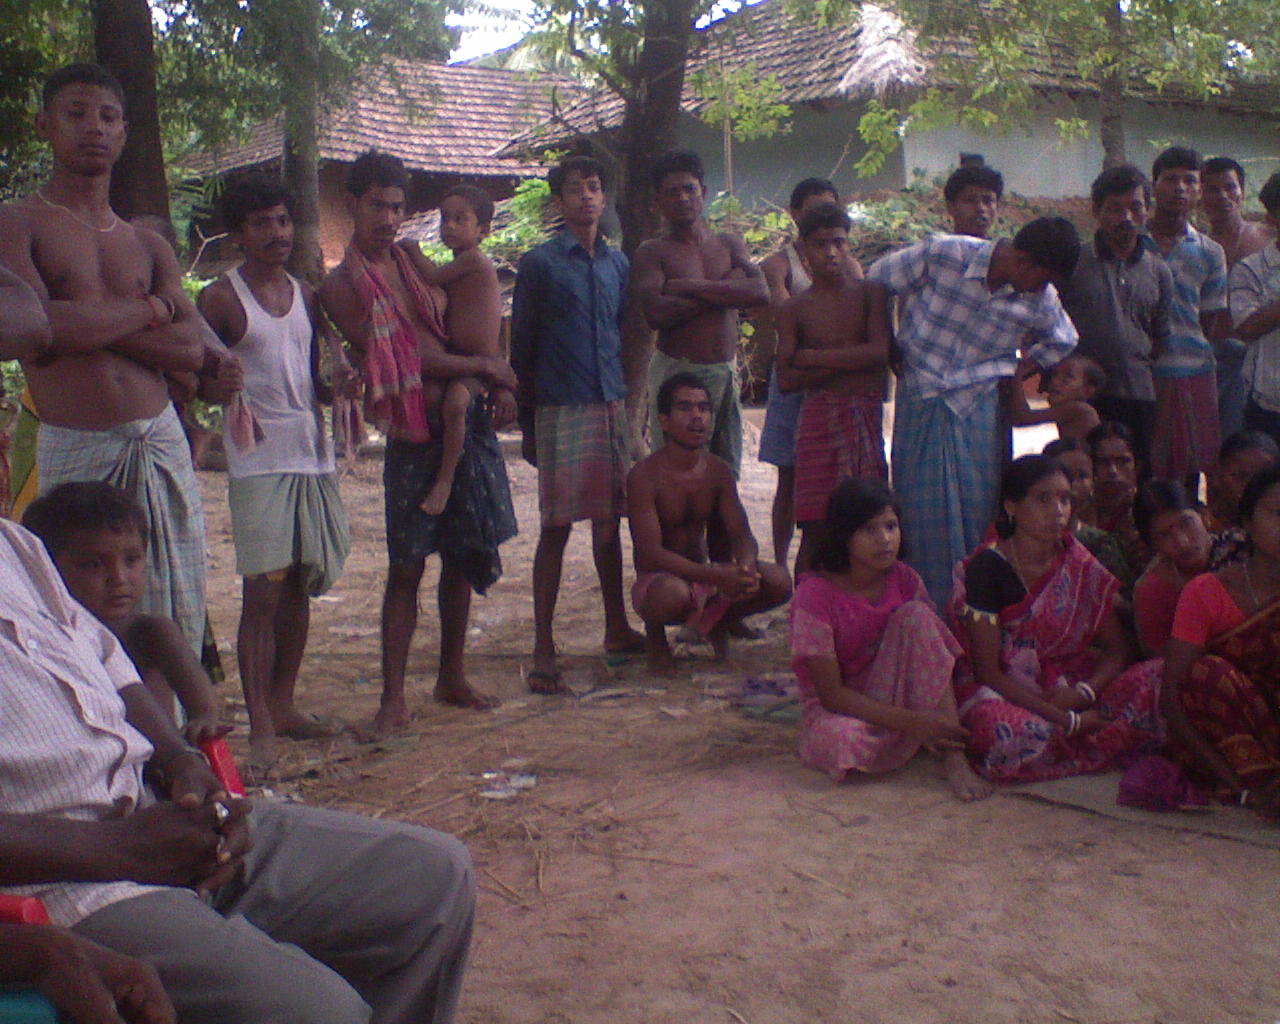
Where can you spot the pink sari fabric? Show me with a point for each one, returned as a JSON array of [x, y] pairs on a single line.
[[1046, 642], [896, 651], [392, 367]]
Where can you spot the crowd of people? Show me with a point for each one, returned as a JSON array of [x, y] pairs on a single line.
[[1027, 619]]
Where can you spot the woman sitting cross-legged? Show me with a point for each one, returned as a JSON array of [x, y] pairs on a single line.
[[1221, 695], [1042, 684], [873, 659]]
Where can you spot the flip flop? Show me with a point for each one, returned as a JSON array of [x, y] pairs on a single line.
[[313, 727], [550, 682]]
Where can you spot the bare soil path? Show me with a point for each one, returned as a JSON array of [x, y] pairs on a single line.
[[675, 863]]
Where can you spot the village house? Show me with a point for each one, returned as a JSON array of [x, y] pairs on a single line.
[[446, 122], [828, 75]]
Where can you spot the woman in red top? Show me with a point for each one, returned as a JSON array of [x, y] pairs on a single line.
[[1221, 690]]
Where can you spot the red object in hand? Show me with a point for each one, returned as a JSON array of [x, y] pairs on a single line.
[[223, 765], [22, 910]]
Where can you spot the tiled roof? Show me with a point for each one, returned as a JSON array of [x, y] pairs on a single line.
[[446, 119], [868, 56]]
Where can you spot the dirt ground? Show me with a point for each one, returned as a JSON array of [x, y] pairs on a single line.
[[675, 863]]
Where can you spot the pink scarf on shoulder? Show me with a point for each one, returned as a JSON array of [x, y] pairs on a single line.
[[393, 398]]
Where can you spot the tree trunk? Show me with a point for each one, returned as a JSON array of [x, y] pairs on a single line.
[[648, 130], [1111, 100], [123, 43], [300, 163]]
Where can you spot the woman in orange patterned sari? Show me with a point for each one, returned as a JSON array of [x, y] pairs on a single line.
[[1221, 694]]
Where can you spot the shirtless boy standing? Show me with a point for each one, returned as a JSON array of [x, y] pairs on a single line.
[[787, 274], [691, 282], [381, 305], [833, 344], [671, 497], [120, 322], [473, 318]]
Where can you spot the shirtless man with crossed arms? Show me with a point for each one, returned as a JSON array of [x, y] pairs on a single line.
[[122, 327]]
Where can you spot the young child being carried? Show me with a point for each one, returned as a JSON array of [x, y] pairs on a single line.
[[473, 318], [833, 343], [97, 537], [1070, 387]]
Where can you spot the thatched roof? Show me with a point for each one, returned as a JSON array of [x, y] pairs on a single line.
[[875, 55], [438, 118]]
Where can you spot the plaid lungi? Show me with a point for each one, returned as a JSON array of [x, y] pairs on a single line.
[[1187, 432], [279, 520], [837, 437], [946, 474], [583, 461], [151, 460]]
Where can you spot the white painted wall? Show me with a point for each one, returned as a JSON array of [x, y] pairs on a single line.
[[1030, 154]]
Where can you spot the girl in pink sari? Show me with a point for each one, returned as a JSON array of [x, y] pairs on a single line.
[[1043, 685], [872, 657]]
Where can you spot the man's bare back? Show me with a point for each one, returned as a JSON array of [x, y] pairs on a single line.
[[114, 271]]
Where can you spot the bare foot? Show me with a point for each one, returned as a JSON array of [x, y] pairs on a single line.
[[658, 656], [719, 638], [437, 498], [738, 629], [296, 725], [546, 682], [965, 783], [628, 641], [460, 694], [392, 717], [263, 753]]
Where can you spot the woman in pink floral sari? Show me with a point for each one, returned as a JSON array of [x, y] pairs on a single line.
[[872, 657], [1044, 684]]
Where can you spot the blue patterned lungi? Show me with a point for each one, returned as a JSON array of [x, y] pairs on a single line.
[[479, 516], [946, 475]]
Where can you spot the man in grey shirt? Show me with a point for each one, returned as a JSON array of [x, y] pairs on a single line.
[[1119, 298]]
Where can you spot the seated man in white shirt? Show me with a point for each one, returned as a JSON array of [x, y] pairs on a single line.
[[274, 912]]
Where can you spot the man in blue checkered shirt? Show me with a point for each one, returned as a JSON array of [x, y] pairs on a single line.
[[966, 307]]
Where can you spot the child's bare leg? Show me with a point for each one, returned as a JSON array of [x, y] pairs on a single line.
[[453, 417], [164, 696]]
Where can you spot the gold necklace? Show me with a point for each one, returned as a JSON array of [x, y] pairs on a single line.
[[79, 220]]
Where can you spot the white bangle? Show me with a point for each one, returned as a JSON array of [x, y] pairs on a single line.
[[1087, 692], [1073, 722], [1244, 798]]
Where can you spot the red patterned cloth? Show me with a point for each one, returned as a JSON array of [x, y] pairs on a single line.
[[392, 369], [1231, 697], [837, 437], [1045, 641]]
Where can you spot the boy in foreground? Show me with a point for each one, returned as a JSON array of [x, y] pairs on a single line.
[[833, 343], [473, 318], [671, 497], [97, 537], [287, 519]]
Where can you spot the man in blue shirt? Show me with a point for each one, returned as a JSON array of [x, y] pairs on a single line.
[[566, 348]]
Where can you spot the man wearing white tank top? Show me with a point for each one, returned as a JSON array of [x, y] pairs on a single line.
[[287, 520]]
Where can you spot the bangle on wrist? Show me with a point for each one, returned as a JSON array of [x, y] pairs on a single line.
[[1073, 722], [1087, 692], [1244, 798]]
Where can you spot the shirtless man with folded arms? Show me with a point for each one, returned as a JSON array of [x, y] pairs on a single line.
[[121, 326]]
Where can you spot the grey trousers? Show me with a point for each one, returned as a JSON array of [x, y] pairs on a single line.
[[338, 919]]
